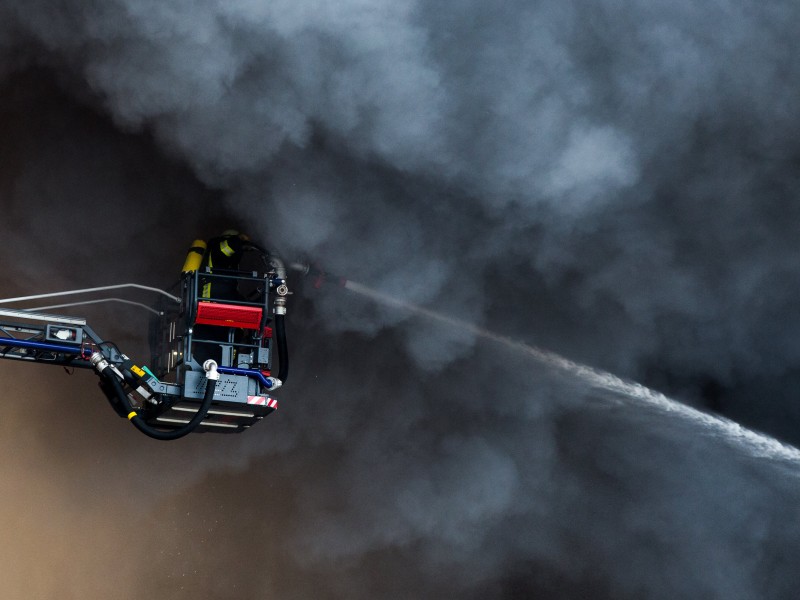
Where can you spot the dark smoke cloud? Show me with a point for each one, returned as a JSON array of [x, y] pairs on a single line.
[[613, 181]]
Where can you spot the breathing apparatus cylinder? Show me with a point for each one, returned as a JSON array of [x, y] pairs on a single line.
[[195, 256]]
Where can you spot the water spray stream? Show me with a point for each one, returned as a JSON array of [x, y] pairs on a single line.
[[756, 444]]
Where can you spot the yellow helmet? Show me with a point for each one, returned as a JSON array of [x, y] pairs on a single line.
[[235, 233]]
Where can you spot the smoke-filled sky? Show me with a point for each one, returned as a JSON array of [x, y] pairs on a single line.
[[613, 181]]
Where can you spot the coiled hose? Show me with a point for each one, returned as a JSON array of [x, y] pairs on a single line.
[[158, 434]]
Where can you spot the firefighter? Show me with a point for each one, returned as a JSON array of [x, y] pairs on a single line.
[[224, 253]]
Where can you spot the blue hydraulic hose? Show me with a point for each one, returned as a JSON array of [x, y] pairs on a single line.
[[7, 341], [248, 372]]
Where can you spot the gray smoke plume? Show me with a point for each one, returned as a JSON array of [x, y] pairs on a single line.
[[614, 182]]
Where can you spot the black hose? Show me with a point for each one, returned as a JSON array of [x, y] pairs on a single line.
[[283, 353], [152, 432]]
